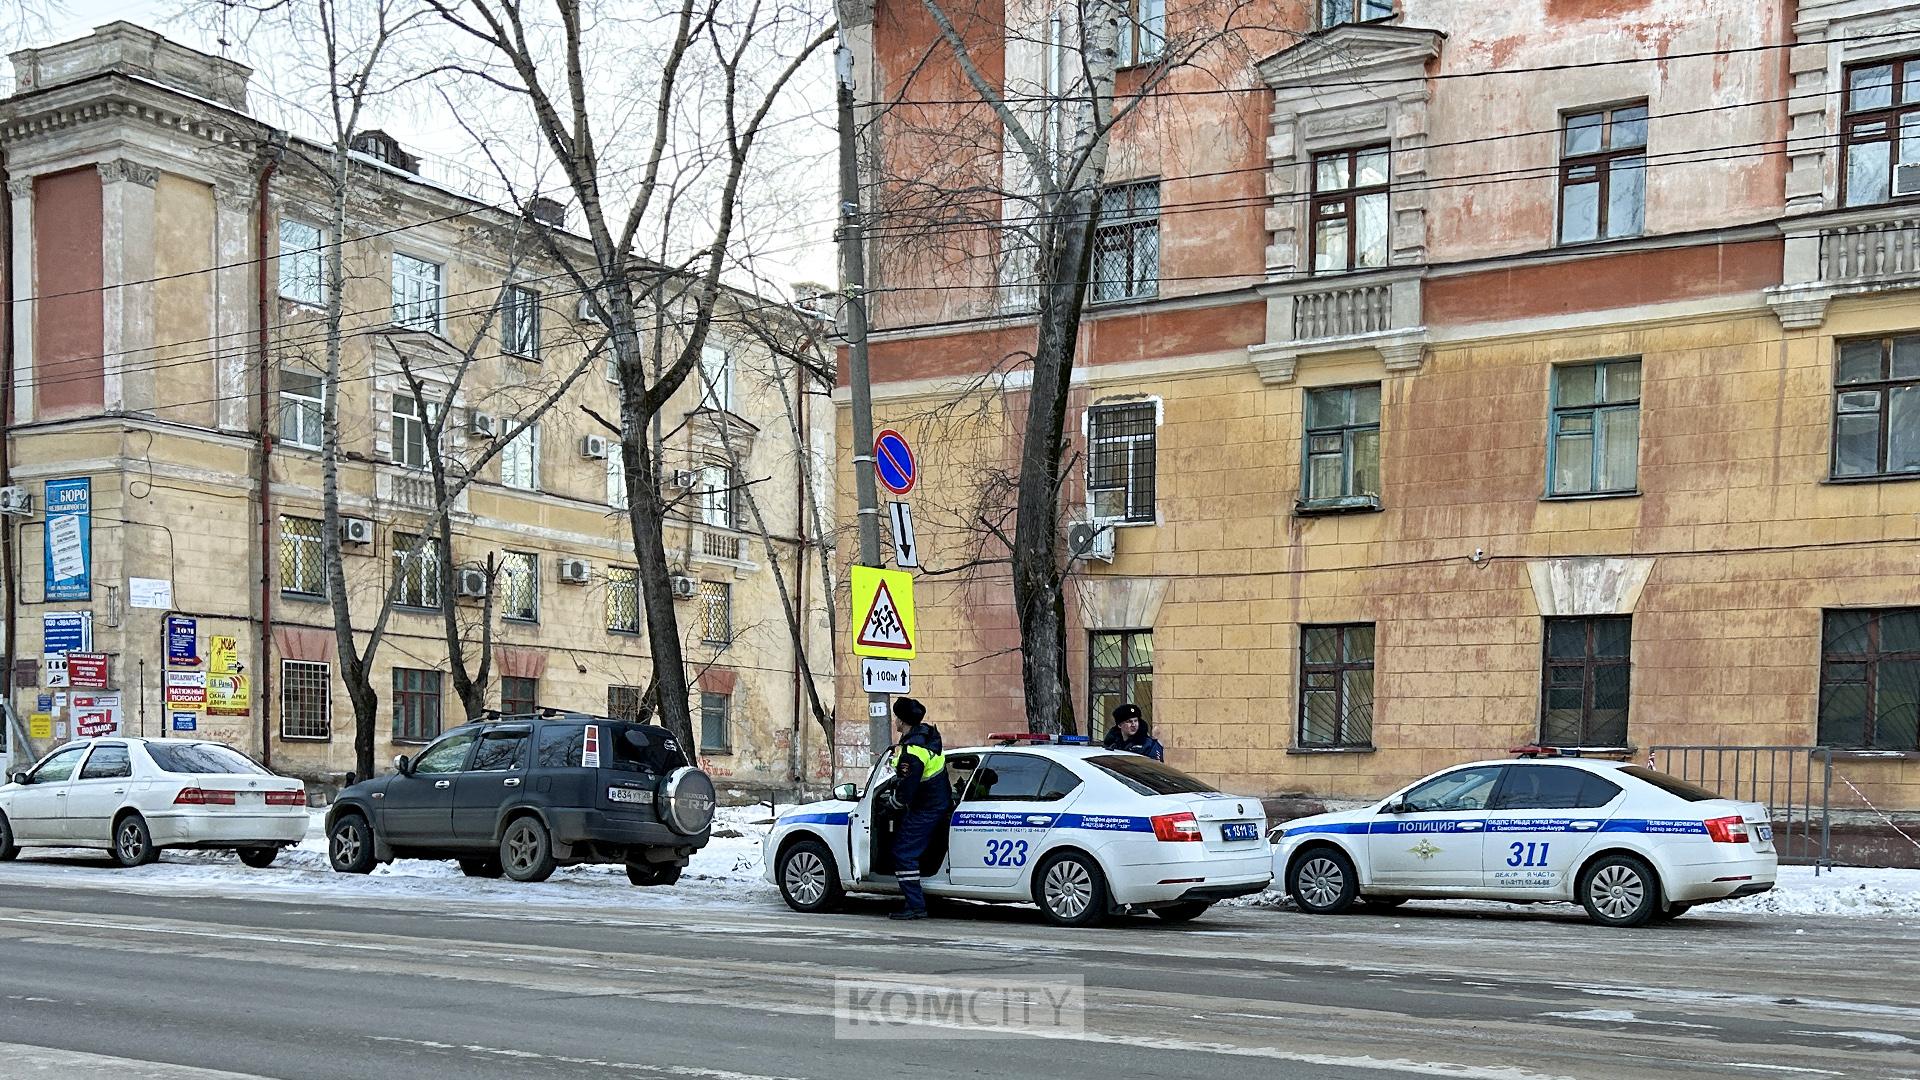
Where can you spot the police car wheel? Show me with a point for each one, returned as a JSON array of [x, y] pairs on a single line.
[[1322, 881], [1183, 912], [1619, 890], [809, 880], [8, 849], [1070, 890]]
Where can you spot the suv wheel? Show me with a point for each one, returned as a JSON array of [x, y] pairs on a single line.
[[809, 880], [8, 849], [526, 851], [350, 845], [653, 873], [132, 843], [1070, 890], [1619, 890], [487, 868], [1323, 882]]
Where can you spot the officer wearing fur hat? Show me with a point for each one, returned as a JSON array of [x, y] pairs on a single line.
[[922, 795], [1131, 733]]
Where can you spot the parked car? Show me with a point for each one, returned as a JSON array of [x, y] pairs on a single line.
[[137, 797], [527, 795], [1081, 831], [1629, 843]]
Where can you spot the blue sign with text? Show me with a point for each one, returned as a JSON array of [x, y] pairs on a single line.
[[183, 641], [69, 539]]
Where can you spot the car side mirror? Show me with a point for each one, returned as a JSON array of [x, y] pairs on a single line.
[[847, 793], [18, 776], [403, 765], [1394, 806]]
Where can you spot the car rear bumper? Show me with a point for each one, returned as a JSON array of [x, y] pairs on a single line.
[[1215, 878], [1721, 880], [185, 828], [618, 830]]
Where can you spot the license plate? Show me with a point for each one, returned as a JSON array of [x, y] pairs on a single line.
[[628, 795], [1240, 830], [1763, 833], [251, 798]]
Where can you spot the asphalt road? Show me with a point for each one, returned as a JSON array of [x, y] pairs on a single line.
[[103, 982]]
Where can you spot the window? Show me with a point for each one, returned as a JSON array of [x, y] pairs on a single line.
[[1335, 12], [1336, 686], [520, 460], [1876, 406], [202, 758], [623, 599], [1120, 673], [449, 755], [716, 496], [1594, 445], [716, 377], [1120, 461], [1459, 790], [716, 735], [519, 697], [1018, 778], [716, 612], [302, 263], [1603, 174], [416, 705], [1880, 131], [109, 761], [410, 419], [520, 323], [302, 404], [416, 571], [306, 700], [1672, 785], [1870, 679], [416, 293], [623, 703], [59, 767], [300, 562], [1342, 446], [1126, 242], [1588, 671], [501, 751], [1149, 777], [520, 586], [1553, 787], [1143, 36], [561, 746], [616, 475], [1350, 203]]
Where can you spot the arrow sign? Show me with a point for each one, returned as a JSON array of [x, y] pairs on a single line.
[[893, 461], [884, 676], [905, 555]]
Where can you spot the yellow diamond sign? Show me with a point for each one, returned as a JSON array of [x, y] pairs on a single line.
[[882, 613]]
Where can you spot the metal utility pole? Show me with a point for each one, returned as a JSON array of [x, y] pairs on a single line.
[[853, 285]]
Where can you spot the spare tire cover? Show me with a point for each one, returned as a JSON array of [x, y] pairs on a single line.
[[687, 801]]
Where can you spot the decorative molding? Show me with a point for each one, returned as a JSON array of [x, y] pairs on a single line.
[[1399, 351], [1324, 125], [122, 170], [1347, 51], [21, 188], [1120, 603], [1405, 355], [1588, 586], [233, 198], [1800, 307]]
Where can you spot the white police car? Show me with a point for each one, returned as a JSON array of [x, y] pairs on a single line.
[[1079, 830], [1629, 843]]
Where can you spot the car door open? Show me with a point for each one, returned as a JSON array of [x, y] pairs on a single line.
[[1005, 813], [1431, 835]]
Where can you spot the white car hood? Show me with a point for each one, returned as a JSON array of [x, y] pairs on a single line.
[[1339, 817], [816, 811]]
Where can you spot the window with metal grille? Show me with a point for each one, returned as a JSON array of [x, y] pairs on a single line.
[[1603, 174], [1589, 668], [416, 571], [417, 298], [520, 460], [716, 496], [1143, 34], [623, 703], [1876, 406], [1126, 242], [1120, 461], [518, 697], [623, 599], [716, 612], [410, 419], [302, 408], [1350, 210], [1335, 12], [306, 700], [716, 728], [520, 323], [1870, 680], [300, 563], [1336, 686], [520, 586], [1594, 445], [416, 705], [1880, 131], [1120, 672], [1342, 446], [303, 277]]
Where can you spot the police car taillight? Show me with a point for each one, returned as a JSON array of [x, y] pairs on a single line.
[[1180, 826], [1727, 830]]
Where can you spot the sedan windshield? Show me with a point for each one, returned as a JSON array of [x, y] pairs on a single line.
[[1147, 776], [186, 757]]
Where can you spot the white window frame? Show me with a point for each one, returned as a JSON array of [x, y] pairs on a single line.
[[420, 415], [616, 475], [1086, 434], [309, 413], [520, 460], [716, 496], [419, 294], [520, 323], [425, 563], [325, 721], [716, 377], [302, 263], [1143, 32]]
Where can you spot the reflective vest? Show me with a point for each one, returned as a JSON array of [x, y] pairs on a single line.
[[930, 763]]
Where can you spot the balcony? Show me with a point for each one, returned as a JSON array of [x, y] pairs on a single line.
[[1845, 253], [1378, 313], [411, 491], [720, 547]]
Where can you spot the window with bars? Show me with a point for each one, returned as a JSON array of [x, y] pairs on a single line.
[[520, 323], [520, 460], [306, 700], [1603, 174], [1336, 686], [1589, 668], [1350, 210], [1880, 131], [1342, 446], [416, 705], [623, 599], [410, 419], [716, 496], [716, 377], [1335, 12], [417, 296], [1121, 442], [1143, 34], [416, 571], [518, 696], [1593, 446], [1119, 672], [1870, 680], [300, 557], [302, 408], [716, 728], [520, 586], [716, 612], [1126, 242], [303, 276], [1876, 406], [624, 703]]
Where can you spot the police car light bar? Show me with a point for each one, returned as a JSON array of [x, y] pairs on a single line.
[[1008, 738], [1535, 751]]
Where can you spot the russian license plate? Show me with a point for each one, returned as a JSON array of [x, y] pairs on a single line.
[[1240, 830], [1763, 833], [251, 798], [627, 794]]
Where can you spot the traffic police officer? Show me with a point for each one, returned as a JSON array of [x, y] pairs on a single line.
[[921, 794]]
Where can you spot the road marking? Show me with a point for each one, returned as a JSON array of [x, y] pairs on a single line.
[[223, 935], [24, 1061], [692, 1071]]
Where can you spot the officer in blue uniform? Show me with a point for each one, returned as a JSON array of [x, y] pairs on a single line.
[[922, 796]]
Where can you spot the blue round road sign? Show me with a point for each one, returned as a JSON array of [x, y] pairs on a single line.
[[893, 461]]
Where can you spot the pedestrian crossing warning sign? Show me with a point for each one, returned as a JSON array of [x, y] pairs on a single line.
[[882, 613]]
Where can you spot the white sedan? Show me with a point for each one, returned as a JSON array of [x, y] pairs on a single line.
[[134, 797], [1629, 843], [1081, 831]]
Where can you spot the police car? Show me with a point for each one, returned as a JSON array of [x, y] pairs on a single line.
[[1079, 830], [1629, 843]]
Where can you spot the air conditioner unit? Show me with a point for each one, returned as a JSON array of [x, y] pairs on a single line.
[[473, 583], [684, 479], [356, 531], [1906, 179], [1090, 540], [684, 587], [575, 571], [593, 446], [16, 501], [482, 425], [584, 312]]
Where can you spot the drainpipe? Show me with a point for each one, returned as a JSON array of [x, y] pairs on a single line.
[[799, 766], [7, 532], [263, 677]]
